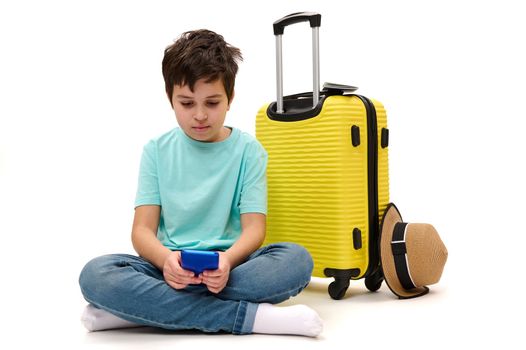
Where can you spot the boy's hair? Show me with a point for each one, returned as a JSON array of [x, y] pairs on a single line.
[[200, 54]]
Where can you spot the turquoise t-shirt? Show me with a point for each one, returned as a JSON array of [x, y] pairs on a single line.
[[202, 188]]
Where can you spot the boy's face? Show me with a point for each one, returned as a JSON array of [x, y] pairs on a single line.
[[201, 113]]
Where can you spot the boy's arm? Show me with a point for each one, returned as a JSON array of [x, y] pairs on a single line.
[[144, 235], [145, 242], [253, 227]]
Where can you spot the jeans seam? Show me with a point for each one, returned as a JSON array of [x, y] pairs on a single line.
[[238, 326]]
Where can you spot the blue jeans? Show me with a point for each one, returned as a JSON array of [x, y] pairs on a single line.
[[135, 290]]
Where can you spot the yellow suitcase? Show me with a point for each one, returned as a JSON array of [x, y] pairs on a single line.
[[327, 174]]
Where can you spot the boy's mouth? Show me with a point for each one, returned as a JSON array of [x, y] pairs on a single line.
[[200, 128]]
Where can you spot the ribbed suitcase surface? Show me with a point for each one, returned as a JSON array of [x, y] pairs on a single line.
[[318, 182]]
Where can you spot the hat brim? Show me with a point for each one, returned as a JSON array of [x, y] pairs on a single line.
[[391, 217]]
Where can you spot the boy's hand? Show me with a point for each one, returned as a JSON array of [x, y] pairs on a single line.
[[175, 275], [216, 280]]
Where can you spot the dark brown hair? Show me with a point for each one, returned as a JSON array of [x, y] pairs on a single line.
[[200, 54]]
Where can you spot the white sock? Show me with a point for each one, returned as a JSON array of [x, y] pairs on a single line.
[[295, 319], [95, 319]]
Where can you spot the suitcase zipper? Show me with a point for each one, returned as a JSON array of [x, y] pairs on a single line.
[[372, 170]]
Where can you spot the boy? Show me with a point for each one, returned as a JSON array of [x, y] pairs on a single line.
[[201, 186]]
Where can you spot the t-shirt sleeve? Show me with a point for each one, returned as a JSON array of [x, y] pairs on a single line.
[[254, 192], [148, 185]]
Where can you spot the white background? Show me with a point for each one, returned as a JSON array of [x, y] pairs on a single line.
[[81, 92]]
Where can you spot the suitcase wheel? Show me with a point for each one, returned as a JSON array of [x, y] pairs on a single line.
[[374, 282], [338, 288]]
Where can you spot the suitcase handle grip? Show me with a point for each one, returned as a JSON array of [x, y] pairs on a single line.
[[279, 27], [313, 18]]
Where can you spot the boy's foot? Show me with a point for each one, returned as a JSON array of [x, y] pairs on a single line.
[[296, 319], [95, 319]]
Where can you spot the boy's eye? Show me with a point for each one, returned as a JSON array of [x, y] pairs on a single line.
[[187, 104], [212, 103]]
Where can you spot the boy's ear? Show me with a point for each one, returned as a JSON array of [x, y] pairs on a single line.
[[231, 99]]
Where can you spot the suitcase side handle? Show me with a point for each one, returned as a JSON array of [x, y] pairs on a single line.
[[279, 28]]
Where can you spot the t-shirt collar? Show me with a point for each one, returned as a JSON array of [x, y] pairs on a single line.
[[233, 134]]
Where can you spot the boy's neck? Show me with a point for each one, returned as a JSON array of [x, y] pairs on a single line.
[[225, 133]]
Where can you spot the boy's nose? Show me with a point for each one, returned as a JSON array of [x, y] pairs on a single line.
[[200, 114]]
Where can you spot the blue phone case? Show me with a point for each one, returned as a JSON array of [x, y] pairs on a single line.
[[199, 260]]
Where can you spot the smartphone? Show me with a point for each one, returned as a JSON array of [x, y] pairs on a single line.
[[199, 260]]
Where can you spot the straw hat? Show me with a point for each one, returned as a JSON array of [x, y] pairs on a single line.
[[412, 255]]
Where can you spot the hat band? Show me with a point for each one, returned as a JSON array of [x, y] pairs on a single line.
[[399, 250]]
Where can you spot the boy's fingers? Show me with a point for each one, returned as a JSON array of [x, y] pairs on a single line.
[[177, 276], [182, 278], [211, 283], [215, 290], [214, 282], [175, 284], [184, 273], [179, 286], [187, 274], [211, 278], [213, 273], [190, 279]]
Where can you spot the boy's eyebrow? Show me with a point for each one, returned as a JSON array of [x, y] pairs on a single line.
[[190, 97]]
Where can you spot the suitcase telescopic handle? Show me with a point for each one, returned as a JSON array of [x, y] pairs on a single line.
[[279, 27], [313, 18]]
